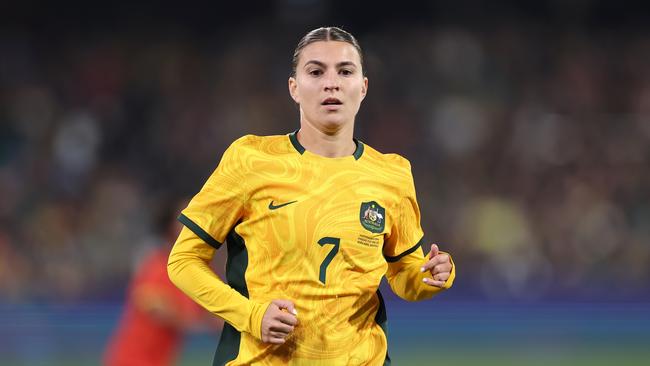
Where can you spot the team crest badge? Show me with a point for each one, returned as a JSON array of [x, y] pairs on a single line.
[[372, 216]]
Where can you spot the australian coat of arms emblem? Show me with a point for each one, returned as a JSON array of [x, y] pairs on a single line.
[[372, 216]]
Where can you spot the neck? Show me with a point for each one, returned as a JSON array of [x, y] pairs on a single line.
[[330, 144]]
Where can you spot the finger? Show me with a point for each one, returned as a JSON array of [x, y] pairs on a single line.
[[277, 326], [428, 266], [434, 251], [441, 268], [286, 318], [278, 334], [439, 259], [443, 276], [286, 304], [276, 340], [442, 258], [433, 283]]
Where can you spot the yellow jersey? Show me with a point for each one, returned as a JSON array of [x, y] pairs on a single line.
[[321, 232]]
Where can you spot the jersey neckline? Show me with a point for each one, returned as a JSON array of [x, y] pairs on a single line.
[[293, 137]]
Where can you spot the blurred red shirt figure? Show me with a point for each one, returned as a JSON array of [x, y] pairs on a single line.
[[155, 318]]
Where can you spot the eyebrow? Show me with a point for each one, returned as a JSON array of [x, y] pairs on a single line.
[[340, 64]]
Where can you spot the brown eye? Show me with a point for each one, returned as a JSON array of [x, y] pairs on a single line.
[[315, 72], [346, 72]]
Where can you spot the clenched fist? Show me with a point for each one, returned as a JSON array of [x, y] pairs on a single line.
[[439, 265], [279, 321]]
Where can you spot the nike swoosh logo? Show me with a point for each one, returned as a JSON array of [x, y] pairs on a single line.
[[274, 207]]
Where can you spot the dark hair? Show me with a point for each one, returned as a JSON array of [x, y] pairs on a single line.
[[325, 34]]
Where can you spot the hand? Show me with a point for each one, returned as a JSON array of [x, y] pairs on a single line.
[[278, 322], [440, 267]]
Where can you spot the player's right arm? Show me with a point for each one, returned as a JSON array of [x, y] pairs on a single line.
[[207, 220], [189, 270]]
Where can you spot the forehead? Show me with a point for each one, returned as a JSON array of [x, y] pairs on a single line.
[[329, 52]]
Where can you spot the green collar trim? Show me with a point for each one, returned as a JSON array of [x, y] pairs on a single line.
[[293, 137]]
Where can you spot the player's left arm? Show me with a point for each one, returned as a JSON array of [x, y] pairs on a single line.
[[412, 275], [441, 268], [415, 276]]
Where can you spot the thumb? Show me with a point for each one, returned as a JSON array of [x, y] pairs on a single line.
[[434, 251], [286, 304]]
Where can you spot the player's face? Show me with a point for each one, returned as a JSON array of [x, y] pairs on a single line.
[[329, 85]]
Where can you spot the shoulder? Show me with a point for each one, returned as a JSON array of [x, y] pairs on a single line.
[[257, 145], [392, 169], [247, 141], [389, 161], [258, 142]]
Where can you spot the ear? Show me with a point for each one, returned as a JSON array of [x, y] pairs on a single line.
[[364, 88], [293, 86]]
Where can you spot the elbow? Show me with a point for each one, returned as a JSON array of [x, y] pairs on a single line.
[[173, 270]]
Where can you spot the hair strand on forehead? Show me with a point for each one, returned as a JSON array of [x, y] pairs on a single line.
[[325, 34]]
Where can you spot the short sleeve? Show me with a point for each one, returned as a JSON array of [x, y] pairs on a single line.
[[406, 233], [217, 208]]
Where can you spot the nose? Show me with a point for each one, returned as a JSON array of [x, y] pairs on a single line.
[[331, 82]]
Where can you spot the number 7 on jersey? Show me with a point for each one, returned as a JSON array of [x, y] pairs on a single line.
[[326, 262]]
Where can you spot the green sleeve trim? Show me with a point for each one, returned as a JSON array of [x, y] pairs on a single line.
[[404, 254], [196, 229]]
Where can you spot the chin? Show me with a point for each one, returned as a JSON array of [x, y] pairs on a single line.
[[328, 123], [334, 121], [333, 125]]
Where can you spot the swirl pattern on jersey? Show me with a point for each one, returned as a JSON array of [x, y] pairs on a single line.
[[299, 216]]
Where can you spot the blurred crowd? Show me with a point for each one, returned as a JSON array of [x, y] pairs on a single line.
[[530, 149]]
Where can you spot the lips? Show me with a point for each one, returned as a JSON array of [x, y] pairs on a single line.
[[331, 101]]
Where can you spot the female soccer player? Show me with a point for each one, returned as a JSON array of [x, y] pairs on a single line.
[[312, 220]]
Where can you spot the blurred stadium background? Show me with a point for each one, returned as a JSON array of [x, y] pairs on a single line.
[[527, 125]]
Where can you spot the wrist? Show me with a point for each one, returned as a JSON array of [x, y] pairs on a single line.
[[257, 314]]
